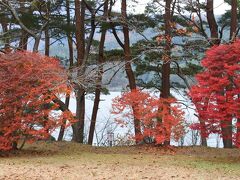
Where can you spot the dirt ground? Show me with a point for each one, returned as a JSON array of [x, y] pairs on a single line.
[[73, 161]]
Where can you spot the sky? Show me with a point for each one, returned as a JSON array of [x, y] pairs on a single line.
[[219, 6]]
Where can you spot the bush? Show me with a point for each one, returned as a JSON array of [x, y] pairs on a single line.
[[29, 82]]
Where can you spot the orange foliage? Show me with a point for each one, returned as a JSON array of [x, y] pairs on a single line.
[[28, 84], [163, 38], [181, 32], [159, 119]]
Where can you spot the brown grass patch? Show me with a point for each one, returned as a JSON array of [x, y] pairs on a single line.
[[74, 161]]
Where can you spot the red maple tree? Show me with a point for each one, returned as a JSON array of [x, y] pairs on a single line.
[[217, 93], [29, 82], [158, 120]]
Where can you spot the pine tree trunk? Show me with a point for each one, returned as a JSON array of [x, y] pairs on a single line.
[[212, 23], [62, 128], [80, 114], [226, 127], [70, 49], [98, 86], [234, 21], [24, 37], [23, 41], [69, 36], [4, 25], [214, 41], [238, 131], [80, 40], [47, 37], [47, 41], [36, 43], [165, 93], [128, 67]]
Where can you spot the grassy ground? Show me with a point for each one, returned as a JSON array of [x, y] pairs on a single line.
[[73, 161]]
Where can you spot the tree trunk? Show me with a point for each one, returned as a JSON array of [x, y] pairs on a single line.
[[4, 25], [203, 132], [212, 23], [47, 41], [46, 31], [70, 49], [23, 40], [62, 128], [80, 31], [69, 36], [226, 127], [238, 131], [98, 86], [214, 41], [165, 93], [78, 135], [37, 42], [128, 67], [233, 28], [226, 124], [14, 145], [23, 43], [80, 40]]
